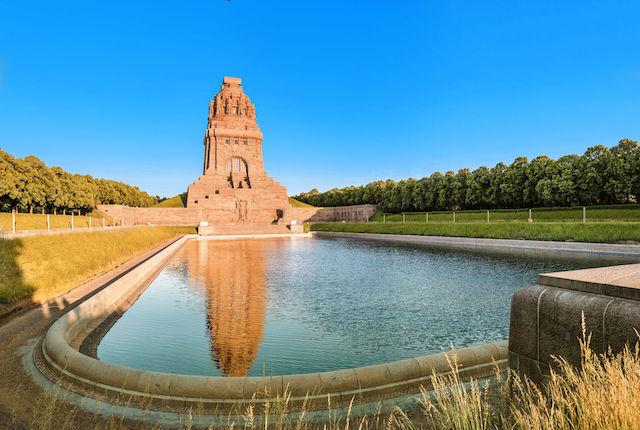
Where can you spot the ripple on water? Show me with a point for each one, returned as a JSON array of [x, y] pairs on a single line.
[[279, 306]]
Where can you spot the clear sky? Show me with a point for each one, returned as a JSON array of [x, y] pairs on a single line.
[[346, 92]]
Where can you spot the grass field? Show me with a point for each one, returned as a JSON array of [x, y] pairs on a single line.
[[593, 213], [297, 204], [179, 201], [606, 232], [39, 221], [46, 266]]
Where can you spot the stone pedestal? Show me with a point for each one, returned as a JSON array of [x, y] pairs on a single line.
[[546, 318]]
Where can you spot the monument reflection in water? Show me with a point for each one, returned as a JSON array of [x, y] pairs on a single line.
[[282, 306], [234, 276]]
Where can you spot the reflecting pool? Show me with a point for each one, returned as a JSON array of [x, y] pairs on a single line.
[[279, 306]]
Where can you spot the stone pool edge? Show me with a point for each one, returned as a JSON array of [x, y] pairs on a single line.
[[500, 245], [62, 364]]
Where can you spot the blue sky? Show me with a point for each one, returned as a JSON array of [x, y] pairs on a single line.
[[346, 92]]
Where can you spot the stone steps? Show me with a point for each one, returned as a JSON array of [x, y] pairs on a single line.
[[242, 229]]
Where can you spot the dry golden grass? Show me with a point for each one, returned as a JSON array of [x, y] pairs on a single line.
[[46, 266], [39, 221], [604, 393], [298, 204], [601, 395]]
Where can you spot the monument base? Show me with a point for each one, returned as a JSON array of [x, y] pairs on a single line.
[[242, 229]]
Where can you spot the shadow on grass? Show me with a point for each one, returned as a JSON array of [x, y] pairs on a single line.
[[12, 284], [16, 294]]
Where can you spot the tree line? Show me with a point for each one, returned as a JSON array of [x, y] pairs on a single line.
[[28, 184], [600, 176]]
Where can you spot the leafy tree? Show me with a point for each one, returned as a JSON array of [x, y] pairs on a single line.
[[27, 184], [601, 175]]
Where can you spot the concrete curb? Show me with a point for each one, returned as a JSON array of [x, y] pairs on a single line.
[[501, 245], [63, 364]]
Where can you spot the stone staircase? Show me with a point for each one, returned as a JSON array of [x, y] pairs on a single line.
[[242, 229]]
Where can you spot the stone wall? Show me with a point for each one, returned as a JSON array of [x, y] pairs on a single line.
[[157, 216], [354, 213], [221, 215], [546, 319]]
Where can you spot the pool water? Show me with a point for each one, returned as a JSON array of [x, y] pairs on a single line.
[[281, 306]]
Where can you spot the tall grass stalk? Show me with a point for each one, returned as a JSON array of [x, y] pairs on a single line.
[[454, 404], [601, 394]]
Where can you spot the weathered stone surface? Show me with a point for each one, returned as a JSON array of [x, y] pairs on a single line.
[[523, 328], [234, 188], [615, 281], [560, 319], [192, 217], [546, 320]]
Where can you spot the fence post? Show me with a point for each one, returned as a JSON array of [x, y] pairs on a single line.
[[402, 218], [427, 216], [584, 214], [530, 218], [384, 218], [13, 220], [454, 217], [71, 220], [48, 223], [89, 223], [487, 217]]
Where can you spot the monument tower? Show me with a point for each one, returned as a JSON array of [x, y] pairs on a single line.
[[234, 195], [234, 188]]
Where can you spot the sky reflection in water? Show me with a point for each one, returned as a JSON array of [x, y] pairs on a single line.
[[278, 306]]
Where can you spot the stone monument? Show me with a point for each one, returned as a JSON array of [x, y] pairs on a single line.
[[234, 188], [234, 195]]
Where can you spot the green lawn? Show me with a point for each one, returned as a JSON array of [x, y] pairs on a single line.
[[39, 221], [179, 201], [594, 213], [46, 266], [609, 232]]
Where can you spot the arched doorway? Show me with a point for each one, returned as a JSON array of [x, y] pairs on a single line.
[[238, 173]]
